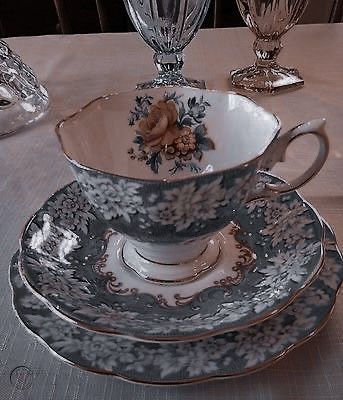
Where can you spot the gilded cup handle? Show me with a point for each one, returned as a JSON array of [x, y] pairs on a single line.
[[277, 153]]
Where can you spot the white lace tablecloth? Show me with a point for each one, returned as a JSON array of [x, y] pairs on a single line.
[[78, 68]]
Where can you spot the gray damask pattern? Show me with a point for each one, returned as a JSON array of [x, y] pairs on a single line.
[[285, 264], [230, 354]]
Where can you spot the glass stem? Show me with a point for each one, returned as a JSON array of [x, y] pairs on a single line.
[[267, 51], [169, 64]]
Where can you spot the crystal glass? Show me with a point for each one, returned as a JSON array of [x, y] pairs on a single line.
[[168, 26], [22, 98], [269, 20]]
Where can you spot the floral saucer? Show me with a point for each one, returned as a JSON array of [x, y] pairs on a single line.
[[228, 355], [74, 263]]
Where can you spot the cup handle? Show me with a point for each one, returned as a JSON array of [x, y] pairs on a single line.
[[277, 153]]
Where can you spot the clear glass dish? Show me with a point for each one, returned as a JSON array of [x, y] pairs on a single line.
[[23, 99]]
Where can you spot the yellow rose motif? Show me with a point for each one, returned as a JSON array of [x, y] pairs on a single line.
[[172, 128], [159, 128]]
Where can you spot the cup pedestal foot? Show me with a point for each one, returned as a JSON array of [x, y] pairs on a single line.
[[171, 264]]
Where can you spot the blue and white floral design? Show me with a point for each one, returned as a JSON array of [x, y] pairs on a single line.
[[72, 209], [330, 274], [287, 266], [188, 208], [114, 200], [59, 282], [286, 221], [280, 271], [170, 129], [52, 241], [231, 354], [108, 315], [186, 205]]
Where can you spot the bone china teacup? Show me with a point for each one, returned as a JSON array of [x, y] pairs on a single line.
[[168, 168]]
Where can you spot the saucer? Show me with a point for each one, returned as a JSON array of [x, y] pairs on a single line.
[[228, 355], [73, 262]]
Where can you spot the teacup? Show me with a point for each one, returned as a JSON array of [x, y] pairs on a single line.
[[170, 167]]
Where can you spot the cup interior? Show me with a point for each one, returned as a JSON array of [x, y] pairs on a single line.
[[167, 133]]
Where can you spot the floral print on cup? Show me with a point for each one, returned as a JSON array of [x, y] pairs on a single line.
[[185, 205], [114, 199], [170, 129]]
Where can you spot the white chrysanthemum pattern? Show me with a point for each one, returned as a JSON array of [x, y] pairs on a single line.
[[187, 204], [114, 200]]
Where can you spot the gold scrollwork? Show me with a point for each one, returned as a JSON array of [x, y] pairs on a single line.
[[246, 258]]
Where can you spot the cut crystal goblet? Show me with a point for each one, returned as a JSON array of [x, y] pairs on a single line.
[[269, 20], [168, 26]]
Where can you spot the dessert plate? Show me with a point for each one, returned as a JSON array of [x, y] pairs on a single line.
[[228, 355], [75, 263]]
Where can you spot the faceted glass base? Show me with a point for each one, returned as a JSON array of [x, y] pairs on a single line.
[[16, 112], [171, 79], [266, 79]]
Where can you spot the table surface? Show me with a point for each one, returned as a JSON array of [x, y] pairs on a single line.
[[78, 68]]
